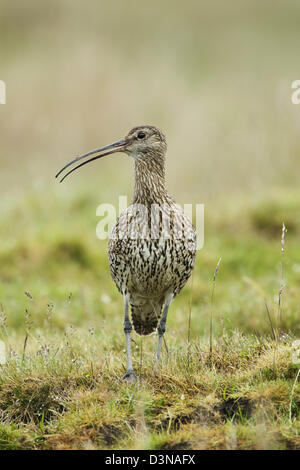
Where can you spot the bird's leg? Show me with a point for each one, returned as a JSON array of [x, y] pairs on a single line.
[[130, 375], [162, 327]]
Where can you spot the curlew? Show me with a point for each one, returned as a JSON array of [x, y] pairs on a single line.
[[152, 247]]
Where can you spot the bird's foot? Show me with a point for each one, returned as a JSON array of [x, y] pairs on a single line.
[[130, 376]]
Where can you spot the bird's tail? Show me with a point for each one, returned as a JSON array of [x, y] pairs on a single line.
[[145, 314]]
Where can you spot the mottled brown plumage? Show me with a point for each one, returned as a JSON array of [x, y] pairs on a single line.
[[152, 246]]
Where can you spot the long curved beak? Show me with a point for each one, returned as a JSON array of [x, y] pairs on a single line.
[[118, 146]]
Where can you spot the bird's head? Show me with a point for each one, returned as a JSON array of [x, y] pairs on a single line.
[[142, 142]]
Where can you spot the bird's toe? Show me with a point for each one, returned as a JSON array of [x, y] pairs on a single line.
[[130, 376]]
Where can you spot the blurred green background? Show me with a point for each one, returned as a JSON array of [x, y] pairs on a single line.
[[216, 78]]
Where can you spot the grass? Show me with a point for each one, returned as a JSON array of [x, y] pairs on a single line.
[[217, 79], [61, 322], [67, 394]]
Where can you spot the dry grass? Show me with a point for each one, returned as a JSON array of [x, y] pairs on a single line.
[[62, 398]]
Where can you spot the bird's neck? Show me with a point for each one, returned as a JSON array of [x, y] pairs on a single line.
[[149, 184]]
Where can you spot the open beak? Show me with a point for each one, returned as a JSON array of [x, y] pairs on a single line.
[[107, 150]]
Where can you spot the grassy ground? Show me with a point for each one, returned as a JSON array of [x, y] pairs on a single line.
[[62, 319], [216, 77]]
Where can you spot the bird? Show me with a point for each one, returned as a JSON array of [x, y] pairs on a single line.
[[152, 246]]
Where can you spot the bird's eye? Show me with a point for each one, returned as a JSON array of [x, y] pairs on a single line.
[[141, 135]]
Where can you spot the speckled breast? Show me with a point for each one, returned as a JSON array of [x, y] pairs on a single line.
[[148, 260]]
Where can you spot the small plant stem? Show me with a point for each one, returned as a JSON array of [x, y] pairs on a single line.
[[270, 320], [282, 283], [282, 286], [141, 355], [25, 344], [211, 309], [292, 394], [189, 323]]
